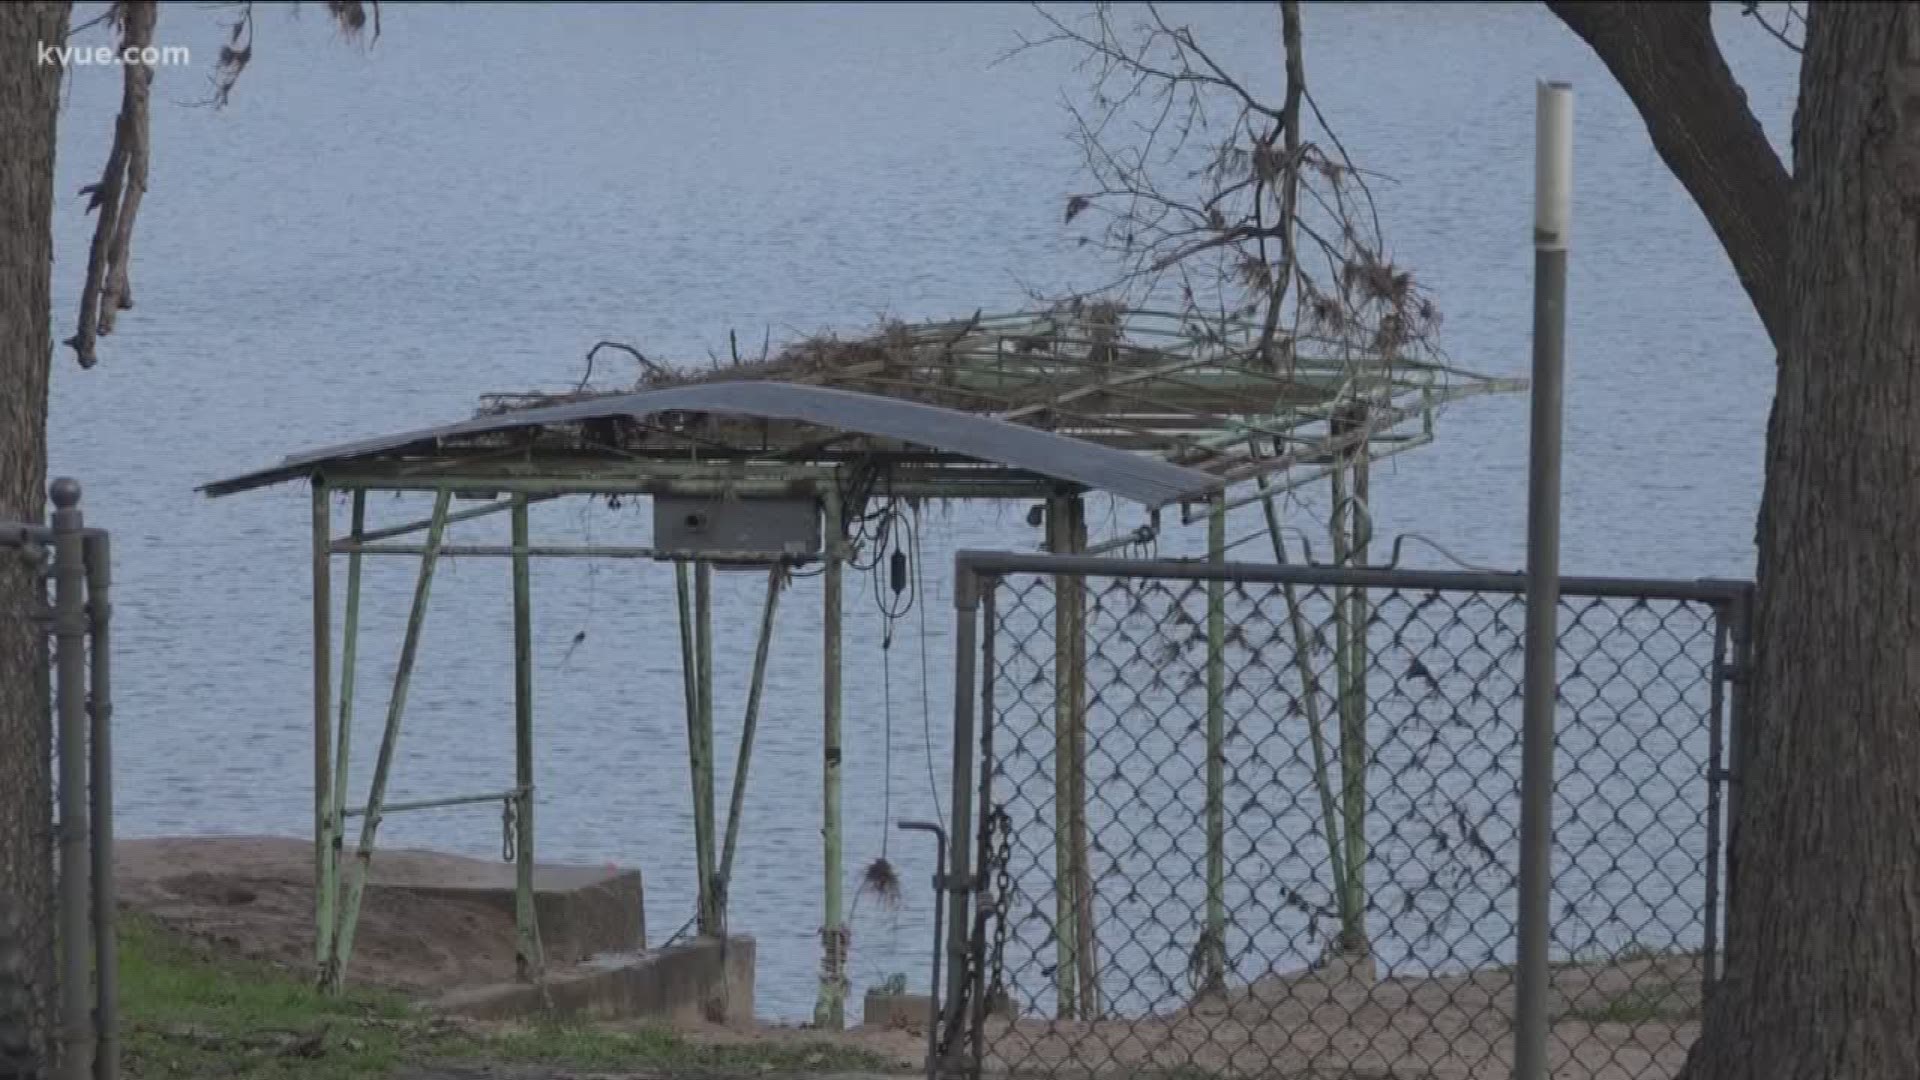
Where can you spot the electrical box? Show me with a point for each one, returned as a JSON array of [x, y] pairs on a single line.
[[756, 525]]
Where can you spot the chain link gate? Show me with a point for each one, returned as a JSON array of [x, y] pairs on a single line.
[[75, 561], [1275, 834]]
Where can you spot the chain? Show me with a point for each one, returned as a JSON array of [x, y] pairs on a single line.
[[509, 822], [1001, 827]]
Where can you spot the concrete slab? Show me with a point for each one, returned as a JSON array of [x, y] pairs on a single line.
[[583, 911], [705, 979], [908, 1012], [430, 921]]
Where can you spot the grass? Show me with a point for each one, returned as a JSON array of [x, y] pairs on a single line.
[[187, 1014], [1642, 1005]]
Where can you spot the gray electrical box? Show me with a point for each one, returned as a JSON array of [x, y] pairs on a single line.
[[761, 526]]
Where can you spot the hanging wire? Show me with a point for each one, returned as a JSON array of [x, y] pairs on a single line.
[[890, 534], [926, 708]]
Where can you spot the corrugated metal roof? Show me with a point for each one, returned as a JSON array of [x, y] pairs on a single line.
[[1131, 476]]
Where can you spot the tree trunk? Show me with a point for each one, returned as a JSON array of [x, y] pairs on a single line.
[[1823, 943], [29, 102]]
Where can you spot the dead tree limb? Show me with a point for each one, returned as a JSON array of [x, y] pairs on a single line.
[[1204, 191]]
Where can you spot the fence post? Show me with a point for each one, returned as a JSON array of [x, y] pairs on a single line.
[[1553, 178], [1739, 739], [1213, 959], [70, 704], [1072, 908], [960, 884], [106, 1059]]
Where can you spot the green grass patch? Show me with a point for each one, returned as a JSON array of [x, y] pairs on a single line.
[[188, 1014], [1642, 1005]]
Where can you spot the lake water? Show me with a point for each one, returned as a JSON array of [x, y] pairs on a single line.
[[367, 240]]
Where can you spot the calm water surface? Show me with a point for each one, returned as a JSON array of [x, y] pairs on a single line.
[[365, 241]]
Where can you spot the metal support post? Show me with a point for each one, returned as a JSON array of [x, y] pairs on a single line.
[[1553, 179]]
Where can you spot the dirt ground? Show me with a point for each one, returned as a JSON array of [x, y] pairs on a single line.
[[253, 897], [1628, 1020], [498, 1072]]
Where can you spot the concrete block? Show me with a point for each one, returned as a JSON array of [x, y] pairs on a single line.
[[908, 1012], [705, 979], [584, 911]]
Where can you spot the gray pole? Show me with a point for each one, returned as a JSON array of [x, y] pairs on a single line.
[[1553, 177], [70, 708], [106, 960], [967, 587], [529, 964]]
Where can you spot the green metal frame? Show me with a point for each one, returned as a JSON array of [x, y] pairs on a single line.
[[1183, 404], [829, 1010], [341, 883]]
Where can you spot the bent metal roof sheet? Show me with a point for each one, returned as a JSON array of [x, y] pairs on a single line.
[[1133, 476]]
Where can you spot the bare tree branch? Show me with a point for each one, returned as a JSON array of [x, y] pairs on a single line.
[[117, 195], [1665, 57], [651, 367], [134, 20], [1792, 21], [1205, 191], [117, 290], [1290, 173]]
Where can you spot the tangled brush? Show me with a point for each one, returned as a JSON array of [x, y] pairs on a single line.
[[883, 881]]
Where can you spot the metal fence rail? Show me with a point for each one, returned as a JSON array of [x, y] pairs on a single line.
[[1244, 821]]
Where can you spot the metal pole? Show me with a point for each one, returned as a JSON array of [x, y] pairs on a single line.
[[1066, 879], [1082, 865], [690, 686], [1553, 179], [323, 913], [435, 804], [1216, 936], [528, 963], [776, 578], [343, 738], [1739, 738], [70, 705], [960, 884], [830, 1011], [1309, 701], [939, 944], [703, 733], [335, 970], [1716, 776], [1350, 633], [106, 1061]]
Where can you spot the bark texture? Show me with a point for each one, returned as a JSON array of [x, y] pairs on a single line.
[[1823, 945], [1664, 56], [29, 100]]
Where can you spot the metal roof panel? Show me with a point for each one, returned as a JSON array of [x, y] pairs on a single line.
[[1131, 476]]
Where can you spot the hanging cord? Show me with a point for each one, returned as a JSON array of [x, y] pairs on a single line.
[[886, 705], [895, 593], [926, 707]]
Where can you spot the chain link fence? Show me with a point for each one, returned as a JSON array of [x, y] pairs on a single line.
[[1271, 827]]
